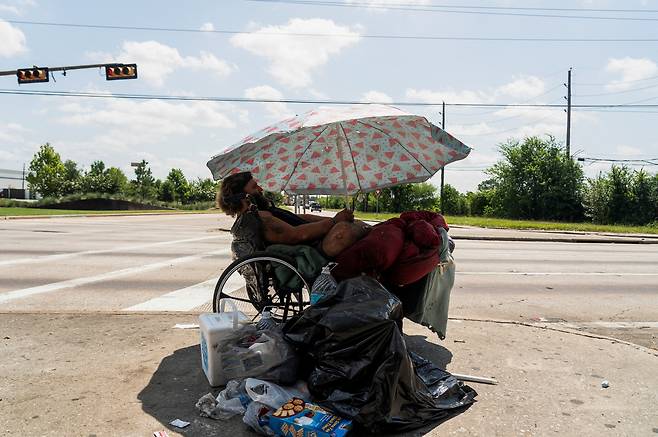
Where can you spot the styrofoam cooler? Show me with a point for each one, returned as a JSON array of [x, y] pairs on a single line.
[[215, 327]]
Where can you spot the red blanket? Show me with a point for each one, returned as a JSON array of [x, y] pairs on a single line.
[[399, 251]]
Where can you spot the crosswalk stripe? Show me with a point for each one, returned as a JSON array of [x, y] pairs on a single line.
[[49, 288], [188, 298], [61, 256]]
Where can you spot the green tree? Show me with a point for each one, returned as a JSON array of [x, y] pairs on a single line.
[[72, 177], [179, 185], [643, 209], [536, 180], [203, 190], [620, 181], [47, 173], [117, 182], [454, 202], [144, 185]]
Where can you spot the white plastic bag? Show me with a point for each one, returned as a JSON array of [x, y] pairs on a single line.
[[273, 395]]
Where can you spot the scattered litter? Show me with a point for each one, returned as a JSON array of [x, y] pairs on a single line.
[[186, 326], [179, 423], [160, 434], [297, 417], [605, 384], [472, 378], [459, 341]]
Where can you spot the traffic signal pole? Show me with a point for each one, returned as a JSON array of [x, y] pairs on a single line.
[[67, 68], [443, 126]]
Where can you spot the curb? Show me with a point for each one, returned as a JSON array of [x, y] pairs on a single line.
[[618, 240]]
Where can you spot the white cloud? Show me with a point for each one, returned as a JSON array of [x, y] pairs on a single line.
[[376, 97], [465, 96], [624, 150], [11, 132], [155, 61], [207, 27], [525, 87], [10, 9], [13, 40], [631, 69], [125, 123], [277, 111], [293, 59]]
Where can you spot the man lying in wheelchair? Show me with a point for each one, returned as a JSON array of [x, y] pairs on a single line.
[[279, 254]]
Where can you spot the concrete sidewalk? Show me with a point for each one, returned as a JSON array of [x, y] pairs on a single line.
[[82, 374]]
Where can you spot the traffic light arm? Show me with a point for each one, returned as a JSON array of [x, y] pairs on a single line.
[[68, 68]]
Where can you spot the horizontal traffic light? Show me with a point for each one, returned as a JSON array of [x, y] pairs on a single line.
[[32, 75], [120, 71]]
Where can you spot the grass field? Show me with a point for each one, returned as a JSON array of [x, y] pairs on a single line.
[[483, 222], [13, 211], [488, 222]]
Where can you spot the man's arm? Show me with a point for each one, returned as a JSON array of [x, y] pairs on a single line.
[[278, 231], [312, 218]]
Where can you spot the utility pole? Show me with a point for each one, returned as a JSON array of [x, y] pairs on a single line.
[[568, 85], [443, 126]]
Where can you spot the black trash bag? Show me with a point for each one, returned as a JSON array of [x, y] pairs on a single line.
[[359, 366]]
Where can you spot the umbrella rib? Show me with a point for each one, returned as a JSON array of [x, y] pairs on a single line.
[[297, 163], [349, 148], [398, 141]]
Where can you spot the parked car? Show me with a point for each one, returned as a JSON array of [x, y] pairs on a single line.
[[315, 206]]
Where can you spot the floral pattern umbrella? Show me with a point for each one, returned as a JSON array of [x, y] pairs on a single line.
[[342, 151]]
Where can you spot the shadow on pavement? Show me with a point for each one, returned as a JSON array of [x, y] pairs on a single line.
[[437, 354], [173, 391], [179, 382]]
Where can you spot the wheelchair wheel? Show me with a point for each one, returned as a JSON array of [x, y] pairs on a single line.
[[252, 284]]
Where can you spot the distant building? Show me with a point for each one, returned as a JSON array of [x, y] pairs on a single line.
[[13, 185]]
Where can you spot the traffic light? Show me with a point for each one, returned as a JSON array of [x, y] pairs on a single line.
[[121, 71], [31, 75]]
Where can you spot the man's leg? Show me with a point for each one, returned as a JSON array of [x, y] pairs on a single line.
[[342, 235]]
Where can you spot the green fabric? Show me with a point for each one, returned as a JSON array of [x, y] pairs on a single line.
[[308, 262], [432, 309]]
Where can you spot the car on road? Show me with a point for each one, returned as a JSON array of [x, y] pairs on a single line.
[[315, 206]]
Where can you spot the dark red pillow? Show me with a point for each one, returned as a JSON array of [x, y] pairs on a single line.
[[423, 234], [410, 270], [376, 252], [433, 218], [409, 250]]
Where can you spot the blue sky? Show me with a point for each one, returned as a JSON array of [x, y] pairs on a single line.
[[185, 135]]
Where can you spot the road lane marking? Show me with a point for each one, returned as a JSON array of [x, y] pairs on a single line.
[[557, 273], [188, 298], [95, 252], [49, 288]]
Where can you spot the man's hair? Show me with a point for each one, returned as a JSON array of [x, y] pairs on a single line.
[[231, 192]]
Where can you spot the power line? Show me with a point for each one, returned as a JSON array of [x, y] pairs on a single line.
[[453, 11], [617, 83], [311, 101], [618, 92], [494, 7], [335, 35]]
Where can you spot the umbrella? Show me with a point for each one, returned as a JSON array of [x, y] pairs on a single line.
[[343, 151]]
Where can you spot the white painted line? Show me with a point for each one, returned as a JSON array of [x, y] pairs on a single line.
[[558, 273], [188, 298], [49, 288], [94, 252], [620, 325]]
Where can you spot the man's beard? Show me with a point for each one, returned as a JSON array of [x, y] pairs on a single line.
[[262, 202]]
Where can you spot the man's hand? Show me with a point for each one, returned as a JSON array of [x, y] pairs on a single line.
[[344, 216]]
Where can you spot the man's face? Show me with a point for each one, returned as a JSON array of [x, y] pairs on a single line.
[[252, 187]]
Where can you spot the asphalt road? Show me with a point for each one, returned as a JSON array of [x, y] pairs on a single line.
[[171, 262]]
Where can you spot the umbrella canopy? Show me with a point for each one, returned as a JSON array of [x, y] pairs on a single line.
[[342, 151]]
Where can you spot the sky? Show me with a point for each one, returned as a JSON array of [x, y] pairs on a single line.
[[261, 58]]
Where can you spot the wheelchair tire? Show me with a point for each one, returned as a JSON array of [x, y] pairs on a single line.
[[286, 303]]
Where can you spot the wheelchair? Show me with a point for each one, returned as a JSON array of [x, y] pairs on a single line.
[[251, 282]]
